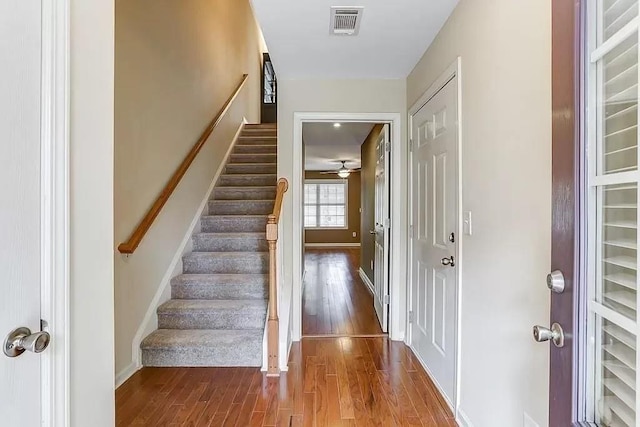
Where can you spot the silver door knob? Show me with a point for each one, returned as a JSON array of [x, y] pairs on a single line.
[[555, 334], [448, 261], [21, 339]]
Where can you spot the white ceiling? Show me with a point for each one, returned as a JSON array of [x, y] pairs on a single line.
[[393, 36], [326, 146]]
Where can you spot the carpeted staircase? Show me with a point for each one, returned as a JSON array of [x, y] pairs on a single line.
[[217, 311]]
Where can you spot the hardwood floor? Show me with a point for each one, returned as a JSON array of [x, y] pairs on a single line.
[[335, 301], [330, 382]]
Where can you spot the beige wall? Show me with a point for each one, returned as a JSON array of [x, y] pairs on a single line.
[[348, 96], [176, 64], [368, 200], [353, 214], [505, 47], [91, 343]]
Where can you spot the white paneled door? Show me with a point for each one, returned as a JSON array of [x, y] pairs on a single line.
[[382, 229], [434, 169], [20, 220]]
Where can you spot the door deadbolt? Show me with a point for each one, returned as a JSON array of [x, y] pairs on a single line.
[[555, 334], [21, 339], [555, 281]]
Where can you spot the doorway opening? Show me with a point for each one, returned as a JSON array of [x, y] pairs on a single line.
[[392, 300], [346, 225]]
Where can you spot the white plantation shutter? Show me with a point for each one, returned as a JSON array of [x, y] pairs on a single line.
[[612, 120]]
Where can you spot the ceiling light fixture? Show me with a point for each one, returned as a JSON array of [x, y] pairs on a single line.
[[336, 125], [343, 172]]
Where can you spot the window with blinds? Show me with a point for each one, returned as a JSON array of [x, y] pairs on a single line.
[[612, 131], [325, 203]]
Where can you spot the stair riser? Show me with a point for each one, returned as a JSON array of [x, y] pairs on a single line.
[[253, 158], [209, 243], [238, 168], [219, 319], [193, 264], [259, 131], [255, 149], [247, 180], [233, 225], [220, 291], [257, 141], [241, 207], [244, 193], [248, 353]]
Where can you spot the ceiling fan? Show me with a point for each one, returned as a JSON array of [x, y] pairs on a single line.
[[343, 171]]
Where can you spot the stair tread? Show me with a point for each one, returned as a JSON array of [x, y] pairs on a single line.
[[232, 216], [238, 201], [234, 255], [204, 277], [171, 338], [252, 164], [208, 305], [247, 187], [239, 234]]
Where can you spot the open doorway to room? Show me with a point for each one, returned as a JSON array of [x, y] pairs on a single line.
[[345, 205]]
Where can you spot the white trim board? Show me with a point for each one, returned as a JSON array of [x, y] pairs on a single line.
[[163, 292], [332, 245], [55, 201], [462, 419], [399, 233], [453, 70], [366, 280]]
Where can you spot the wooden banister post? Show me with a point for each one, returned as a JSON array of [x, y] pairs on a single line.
[[273, 323]]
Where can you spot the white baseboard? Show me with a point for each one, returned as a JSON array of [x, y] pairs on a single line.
[[332, 245], [126, 373], [163, 293], [462, 419], [366, 280]]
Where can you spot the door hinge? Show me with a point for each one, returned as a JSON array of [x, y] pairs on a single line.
[[387, 147], [411, 145], [411, 231], [386, 299], [387, 222], [411, 316]]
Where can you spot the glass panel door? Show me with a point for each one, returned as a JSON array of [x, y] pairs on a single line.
[[612, 135]]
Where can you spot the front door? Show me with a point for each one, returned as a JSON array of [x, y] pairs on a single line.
[[434, 169], [382, 229], [20, 260], [595, 214]]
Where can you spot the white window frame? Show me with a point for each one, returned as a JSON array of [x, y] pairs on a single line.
[[344, 182]]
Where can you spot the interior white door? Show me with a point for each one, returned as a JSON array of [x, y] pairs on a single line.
[[434, 195], [382, 229], [20, 76]]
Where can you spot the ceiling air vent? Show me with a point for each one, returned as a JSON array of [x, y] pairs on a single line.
[[345, 21]]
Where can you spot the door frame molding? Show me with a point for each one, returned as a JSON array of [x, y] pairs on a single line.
[[55, 202], [399, 230], [454, 70]]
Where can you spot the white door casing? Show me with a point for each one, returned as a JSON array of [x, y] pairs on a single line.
[[434, 244], [20, 209], [382, 229]]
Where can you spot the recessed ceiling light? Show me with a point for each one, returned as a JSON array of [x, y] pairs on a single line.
[[336, 125]]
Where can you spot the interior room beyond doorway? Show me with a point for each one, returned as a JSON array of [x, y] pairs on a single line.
[[339, 232]]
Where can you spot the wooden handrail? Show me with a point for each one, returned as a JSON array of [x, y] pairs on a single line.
[[138, 234], [273, 324]]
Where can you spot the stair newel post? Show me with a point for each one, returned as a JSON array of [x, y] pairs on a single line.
[[273, 323]]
